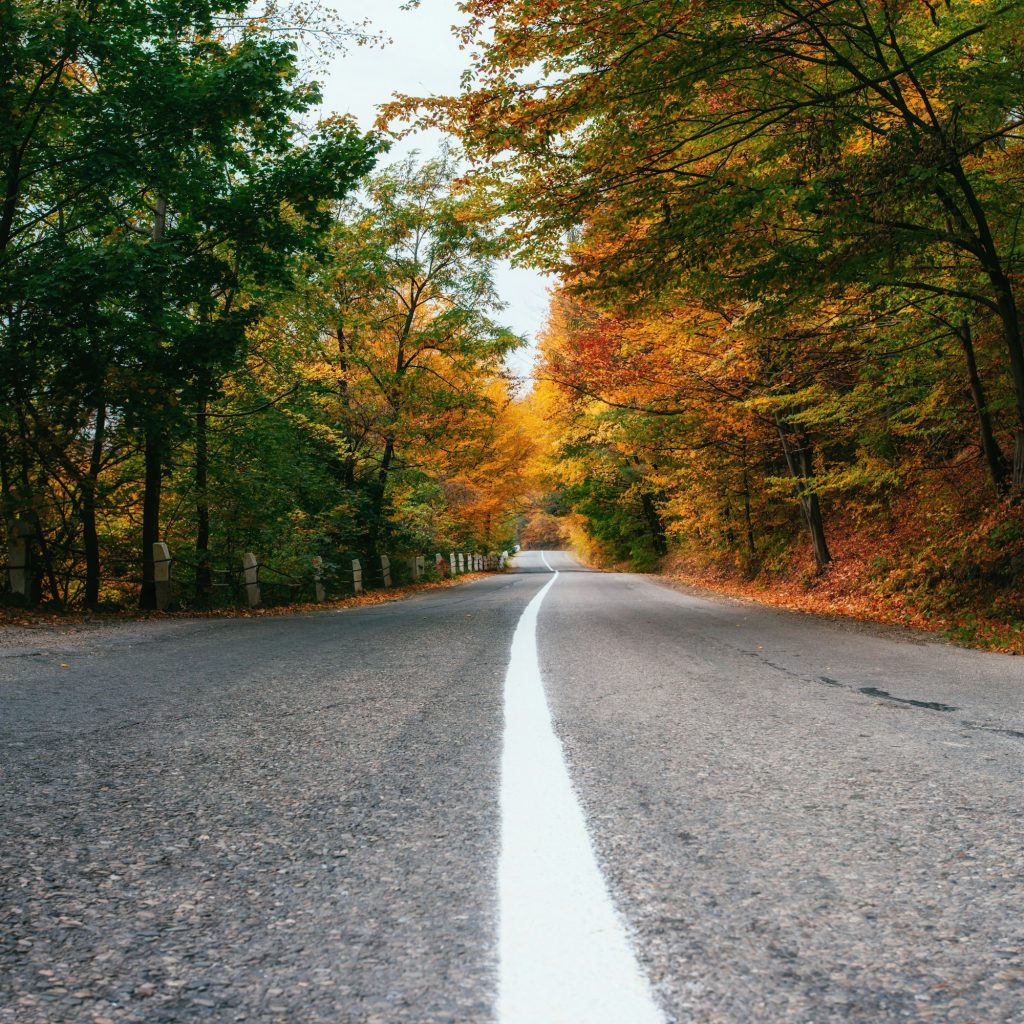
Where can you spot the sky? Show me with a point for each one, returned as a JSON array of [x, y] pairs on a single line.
[[423, 57]]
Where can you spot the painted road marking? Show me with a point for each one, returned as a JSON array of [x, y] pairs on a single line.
[[564, 954], [544, 559]]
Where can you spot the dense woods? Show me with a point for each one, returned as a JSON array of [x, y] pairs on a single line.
[[785, 338], [787, 332], [224, 324]]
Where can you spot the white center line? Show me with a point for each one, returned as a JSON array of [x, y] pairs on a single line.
[[564, 954]]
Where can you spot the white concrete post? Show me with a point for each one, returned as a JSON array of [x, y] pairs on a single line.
[[385, 569], [251, 565], [502, 560], [459, 561], [439, 564], [357, 576], [162, 575], [454, 563], [319, 593]]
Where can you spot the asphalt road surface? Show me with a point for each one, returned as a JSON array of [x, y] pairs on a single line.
[[741, 815]]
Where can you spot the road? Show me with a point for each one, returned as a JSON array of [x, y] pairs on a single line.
[[329, 816]]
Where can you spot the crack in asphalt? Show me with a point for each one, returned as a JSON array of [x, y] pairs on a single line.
[[878, 694], [928, 705]]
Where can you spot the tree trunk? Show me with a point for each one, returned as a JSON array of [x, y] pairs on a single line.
[[380, 493], [347, 468], [1015, 349], [655, 524], [90, 536], [154, 464], [5, 473], [994, 457], [811, 508], [1006, 305], [747, 518], [51, 573], [12, 190], [36, 583], [801, 467], [151, 514], [204, 577], [728, 532]]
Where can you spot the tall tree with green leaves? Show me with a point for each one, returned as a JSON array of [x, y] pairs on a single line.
[[409, 321], [156, 156]]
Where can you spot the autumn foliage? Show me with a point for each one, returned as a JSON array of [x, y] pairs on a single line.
[[226, 325], [786, 346], [784, 352]]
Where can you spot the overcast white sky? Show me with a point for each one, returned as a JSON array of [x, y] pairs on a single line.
[[422, 58]]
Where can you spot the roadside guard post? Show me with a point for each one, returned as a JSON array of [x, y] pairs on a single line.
[[162, 575], [319, 593], [251, 573]]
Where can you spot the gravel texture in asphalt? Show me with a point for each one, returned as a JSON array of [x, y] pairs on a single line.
[[286, 819], [295, 819], [789, 843]]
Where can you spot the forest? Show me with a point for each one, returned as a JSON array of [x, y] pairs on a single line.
[[784, 353], [785, 349], [227, 325]]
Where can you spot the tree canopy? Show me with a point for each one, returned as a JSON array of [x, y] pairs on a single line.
[[216, 329], [787, 236]]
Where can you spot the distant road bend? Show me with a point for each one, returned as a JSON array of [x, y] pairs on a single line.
[[549, 796]]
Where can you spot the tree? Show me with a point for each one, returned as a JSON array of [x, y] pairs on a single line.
[[759, 154], [156, 159], [410, 349]]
